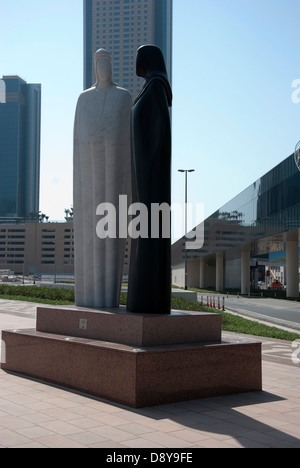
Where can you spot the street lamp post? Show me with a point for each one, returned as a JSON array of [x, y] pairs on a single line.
[[186, 171]]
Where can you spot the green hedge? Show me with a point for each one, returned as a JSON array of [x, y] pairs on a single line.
[[51, 294]]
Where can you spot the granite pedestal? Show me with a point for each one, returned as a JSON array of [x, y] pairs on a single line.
[[133, 359]]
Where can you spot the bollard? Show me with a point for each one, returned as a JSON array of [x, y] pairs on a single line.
[[223, 303], [214, 302], [207, 302], [219, 304]]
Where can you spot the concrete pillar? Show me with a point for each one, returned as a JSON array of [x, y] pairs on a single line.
[[193, 274], [202, 274], [219, 271], [245, 271], [292, 265]]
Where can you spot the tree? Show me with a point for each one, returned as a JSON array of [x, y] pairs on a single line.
[[69, 214]]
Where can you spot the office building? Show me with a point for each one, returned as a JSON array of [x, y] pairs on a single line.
[[43, 249], [251, 241], [121, 27], [37, 248], [20, 124]]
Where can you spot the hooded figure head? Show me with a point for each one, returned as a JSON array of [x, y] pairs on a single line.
[[103, 67], [150, 64]]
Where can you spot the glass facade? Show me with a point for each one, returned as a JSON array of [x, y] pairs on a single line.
[[121, 27], [164, 30], [88, 44], [19, 148], [260, 217]]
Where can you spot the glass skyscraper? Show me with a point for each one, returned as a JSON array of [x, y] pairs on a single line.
[[121, 27], [20, 125]]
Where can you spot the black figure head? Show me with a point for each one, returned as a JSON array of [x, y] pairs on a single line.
[[150, 61]]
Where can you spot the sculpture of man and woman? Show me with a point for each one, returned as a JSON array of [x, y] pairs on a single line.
[[123, 149]]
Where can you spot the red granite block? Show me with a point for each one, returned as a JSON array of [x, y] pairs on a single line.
[[135, 377], [119, 326]]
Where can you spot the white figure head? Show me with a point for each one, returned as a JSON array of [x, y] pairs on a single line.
[[103, 69]]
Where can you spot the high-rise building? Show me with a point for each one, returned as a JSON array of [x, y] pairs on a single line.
[[20, 126], [121, 27]]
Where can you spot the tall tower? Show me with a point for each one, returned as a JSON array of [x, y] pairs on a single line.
[[121, 27], [20, 127]]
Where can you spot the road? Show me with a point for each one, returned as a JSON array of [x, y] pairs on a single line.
[[279, 312]]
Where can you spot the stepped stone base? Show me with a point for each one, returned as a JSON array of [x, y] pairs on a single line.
[[119, 326], [132, 359]]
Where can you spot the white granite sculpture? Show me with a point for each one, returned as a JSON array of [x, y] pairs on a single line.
[[102, 171]]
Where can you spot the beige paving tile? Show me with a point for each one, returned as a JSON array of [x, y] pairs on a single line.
[[34, 432], [86, 411], [31, 445], [9, 438], [139, 443], [60, 427], [162, 426], [14, 422], [131, 415], [60, 402], [112, 433], [58, 441], [88, 438], [60, 414], [37, 418], [85, 423], [105, 406], [190, 435], [111, 420], [108, 444], [20, 399], [213, 443], [136, 428], [15, 409], [39, 406], [166, 440]]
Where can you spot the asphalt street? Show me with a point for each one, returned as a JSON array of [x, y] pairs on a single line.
[[283, 313]]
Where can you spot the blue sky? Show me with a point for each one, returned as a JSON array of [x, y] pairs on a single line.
[[233, 114]]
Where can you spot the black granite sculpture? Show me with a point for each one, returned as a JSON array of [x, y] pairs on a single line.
[[149, 288]]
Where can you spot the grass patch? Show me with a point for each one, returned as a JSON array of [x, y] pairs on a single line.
[[236, 324], [231, 323]]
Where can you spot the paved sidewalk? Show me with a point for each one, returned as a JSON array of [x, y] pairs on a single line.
[[36, 415]]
